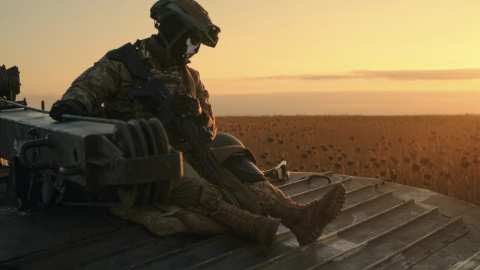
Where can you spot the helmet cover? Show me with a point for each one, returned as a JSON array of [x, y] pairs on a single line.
[[193, 16]]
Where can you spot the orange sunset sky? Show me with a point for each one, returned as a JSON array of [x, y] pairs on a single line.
[[273, 57]]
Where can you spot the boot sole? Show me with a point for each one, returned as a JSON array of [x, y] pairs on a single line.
[[334, 200]]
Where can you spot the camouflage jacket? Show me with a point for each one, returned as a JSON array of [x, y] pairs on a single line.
[[103, 88]]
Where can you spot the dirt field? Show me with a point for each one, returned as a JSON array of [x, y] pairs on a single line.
[[439, 153]]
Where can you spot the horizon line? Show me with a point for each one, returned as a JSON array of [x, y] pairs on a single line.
[[402, 75]]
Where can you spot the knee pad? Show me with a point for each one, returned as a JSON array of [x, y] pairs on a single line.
[[244, 169], [225, 139]]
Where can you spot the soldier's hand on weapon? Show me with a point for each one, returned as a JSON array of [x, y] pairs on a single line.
[[68, 106], [186, 106]]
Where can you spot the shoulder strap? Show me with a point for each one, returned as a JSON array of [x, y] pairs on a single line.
[[129, 56]]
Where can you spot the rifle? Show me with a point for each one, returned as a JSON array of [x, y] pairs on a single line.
[[195, 138]]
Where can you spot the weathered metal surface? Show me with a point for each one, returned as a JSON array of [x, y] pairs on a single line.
[[382, 226], [44, 153], [20, 126]]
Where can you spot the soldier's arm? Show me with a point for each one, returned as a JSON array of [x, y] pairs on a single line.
[[206, 119], [96, 84]]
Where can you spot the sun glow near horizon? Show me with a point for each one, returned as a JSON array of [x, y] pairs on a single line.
[[265, 46]]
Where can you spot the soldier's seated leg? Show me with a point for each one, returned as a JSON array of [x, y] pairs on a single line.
[[244, 169], [165, 220], [308, 221], [195, 221], [225, 139], [159, 223], [196, 193], [259, 228]]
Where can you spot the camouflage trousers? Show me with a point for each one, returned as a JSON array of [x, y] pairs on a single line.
[[193, 191], [188, 208], [191, 203]]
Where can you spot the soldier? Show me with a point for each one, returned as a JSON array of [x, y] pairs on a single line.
[[103, 91]]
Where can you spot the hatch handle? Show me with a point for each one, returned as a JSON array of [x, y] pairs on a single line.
[[22, 154]]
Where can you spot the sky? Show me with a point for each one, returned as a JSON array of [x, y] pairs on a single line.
[[334, 57]]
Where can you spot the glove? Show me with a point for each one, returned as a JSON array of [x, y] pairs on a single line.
[[67, 106], [186, 106]]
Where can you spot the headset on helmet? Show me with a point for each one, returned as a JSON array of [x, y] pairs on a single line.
[[191, 14]]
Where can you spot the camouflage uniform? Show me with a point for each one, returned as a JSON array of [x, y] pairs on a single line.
[[102, 91], [103, 88]]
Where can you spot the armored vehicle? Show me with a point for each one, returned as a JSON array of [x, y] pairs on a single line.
[[44, 225]]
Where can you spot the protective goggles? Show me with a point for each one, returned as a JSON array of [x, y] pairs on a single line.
[[208, 33]]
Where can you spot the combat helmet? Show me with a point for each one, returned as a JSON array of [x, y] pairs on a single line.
[[192, 14]]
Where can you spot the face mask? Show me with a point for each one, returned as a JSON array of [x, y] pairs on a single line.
[[193, 45]]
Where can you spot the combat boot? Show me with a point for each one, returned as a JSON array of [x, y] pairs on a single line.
[[306, 222], [259, 228]]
